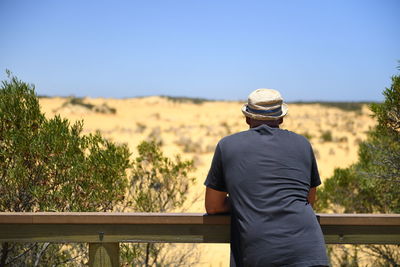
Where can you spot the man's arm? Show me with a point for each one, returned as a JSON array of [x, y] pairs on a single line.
[[311, 195], [216, 201]]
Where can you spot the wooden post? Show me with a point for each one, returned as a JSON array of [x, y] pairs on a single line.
[[103, 254]]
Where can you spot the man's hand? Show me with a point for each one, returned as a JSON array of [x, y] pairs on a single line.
[[216, 201]]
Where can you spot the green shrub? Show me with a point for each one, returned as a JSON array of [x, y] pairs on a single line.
[[371, 185], [326, 136], [103, 108], [48, 165], [158, 184]]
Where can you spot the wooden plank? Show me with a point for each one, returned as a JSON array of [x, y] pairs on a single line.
[[103, 255], [73, 233], [15, 217], [174, 218], [177, 233], [186, 228], [359, 219], [361, 234], [110, 218], [362, 239]]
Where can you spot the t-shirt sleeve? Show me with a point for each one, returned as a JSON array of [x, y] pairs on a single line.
[[315, 179], [215, 178]]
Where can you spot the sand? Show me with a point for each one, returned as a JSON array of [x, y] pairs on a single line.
[[193, 130]]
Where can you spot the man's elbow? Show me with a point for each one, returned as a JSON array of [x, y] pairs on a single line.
[[217, 209], [212, 210]]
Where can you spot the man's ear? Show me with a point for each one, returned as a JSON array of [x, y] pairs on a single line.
[[248, 120]]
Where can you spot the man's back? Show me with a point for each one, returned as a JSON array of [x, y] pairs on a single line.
[[268, 173]]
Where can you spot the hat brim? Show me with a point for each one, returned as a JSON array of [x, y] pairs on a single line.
[[265, 117]]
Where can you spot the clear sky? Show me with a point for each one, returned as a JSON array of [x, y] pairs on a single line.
[[332, 50]]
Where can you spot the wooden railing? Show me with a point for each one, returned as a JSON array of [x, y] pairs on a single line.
[[104, 231]]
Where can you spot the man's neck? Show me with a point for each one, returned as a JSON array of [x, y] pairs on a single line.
[[256, 125]]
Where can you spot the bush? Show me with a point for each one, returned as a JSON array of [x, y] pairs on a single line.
[[103, 108], [372, 184], [48, 165], [326, 136], [158, 184]]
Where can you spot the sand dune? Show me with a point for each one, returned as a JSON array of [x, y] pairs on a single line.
[[193, 130]]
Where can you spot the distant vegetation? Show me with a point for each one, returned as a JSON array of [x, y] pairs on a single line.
[[182, 99], [44, 96], [77, 101], [326, 136], [346, 106]]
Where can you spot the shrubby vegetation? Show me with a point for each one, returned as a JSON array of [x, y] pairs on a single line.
[[158, 184], [49, 165], [372, 184], [77, 101], [181, 99], [326, 136], [346, 106]]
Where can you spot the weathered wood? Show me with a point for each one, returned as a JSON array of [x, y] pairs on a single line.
[[360, 219], [178, 228], [75, 233], [103, 255], [110, 218], [173, 218]]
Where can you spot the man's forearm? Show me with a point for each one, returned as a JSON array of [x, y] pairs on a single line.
[[224, 207], [217, 201]]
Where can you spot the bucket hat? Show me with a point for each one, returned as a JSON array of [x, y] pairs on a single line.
[[265, 104]]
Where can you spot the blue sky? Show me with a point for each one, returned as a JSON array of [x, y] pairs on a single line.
[[309, 50]]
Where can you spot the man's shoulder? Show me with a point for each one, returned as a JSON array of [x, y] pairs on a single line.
[[295, 137], [234, 136]]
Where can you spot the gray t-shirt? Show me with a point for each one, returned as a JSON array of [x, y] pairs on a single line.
[[267, 173]]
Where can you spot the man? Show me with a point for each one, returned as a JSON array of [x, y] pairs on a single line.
[[266, 178]]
